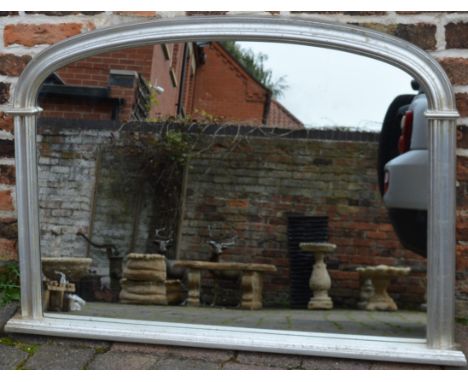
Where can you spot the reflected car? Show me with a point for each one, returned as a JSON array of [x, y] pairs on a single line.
[[403, 169]]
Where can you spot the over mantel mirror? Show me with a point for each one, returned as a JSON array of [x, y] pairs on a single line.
[[238, 183]]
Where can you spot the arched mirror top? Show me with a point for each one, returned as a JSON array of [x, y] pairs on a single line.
[[347, 38]]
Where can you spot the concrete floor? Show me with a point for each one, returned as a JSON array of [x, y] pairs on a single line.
[[410, 324]]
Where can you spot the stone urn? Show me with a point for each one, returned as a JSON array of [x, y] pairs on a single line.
[[320, 281], [74, 268]]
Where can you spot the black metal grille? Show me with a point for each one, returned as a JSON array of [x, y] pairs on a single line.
[[303, 229]]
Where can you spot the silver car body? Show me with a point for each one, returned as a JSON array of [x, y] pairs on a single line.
[[408, 173]]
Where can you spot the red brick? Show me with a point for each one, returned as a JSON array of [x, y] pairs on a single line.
[[457, 69], [363, 226], [205, 13], [462, 169], [4, 92], [64, 13], [385, 227], [385, 261], [421, 34], [7, 148], [350, 13], [137, 13], [408, 13], [462, 103], [6, 122], [36, 34], [359, 13], [11, 65], [456, 35], [376, 235], [221, 72], [8, 228], [343, 275], [462, 136], [238, 203], [6, 201], [8, 250], [462, 264], [7, 174]]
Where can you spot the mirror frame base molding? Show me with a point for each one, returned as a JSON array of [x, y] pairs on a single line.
[[388, 349]]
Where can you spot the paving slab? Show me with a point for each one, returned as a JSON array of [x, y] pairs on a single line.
[[29, 339], [269, 360], [11, 358], [323, 363], [58, 357], [6, 312], [402, 366], [232, 365], [185, 364], [212, 355], [127, 347], [114, 360], [81, 343]]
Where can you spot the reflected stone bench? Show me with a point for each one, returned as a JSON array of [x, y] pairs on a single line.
[[251, 280]]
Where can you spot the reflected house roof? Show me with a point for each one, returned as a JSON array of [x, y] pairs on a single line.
[[198, 81]]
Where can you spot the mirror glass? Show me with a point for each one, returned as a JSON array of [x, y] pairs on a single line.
[[226, 183]]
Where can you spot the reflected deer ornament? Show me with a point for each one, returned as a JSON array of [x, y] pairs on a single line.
[[163, 242], [217, 249]]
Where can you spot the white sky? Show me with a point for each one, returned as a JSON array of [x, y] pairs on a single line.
[[333, 88]]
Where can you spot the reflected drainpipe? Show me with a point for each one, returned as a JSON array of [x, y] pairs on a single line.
[[266, 107], [183, 73]]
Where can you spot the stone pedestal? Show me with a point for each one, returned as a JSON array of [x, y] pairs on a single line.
[[252, 290], [193, 286], [320, 281], [381, 276]]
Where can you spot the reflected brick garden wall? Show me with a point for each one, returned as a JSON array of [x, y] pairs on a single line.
[[250, 185], [243, 183]]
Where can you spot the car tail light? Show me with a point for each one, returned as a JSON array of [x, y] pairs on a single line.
[[406, 131], [386, 181]]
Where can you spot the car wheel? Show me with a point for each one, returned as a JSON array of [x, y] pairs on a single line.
[[411, 228]]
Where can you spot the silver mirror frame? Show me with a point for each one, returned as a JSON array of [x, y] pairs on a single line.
[[439, 345]]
